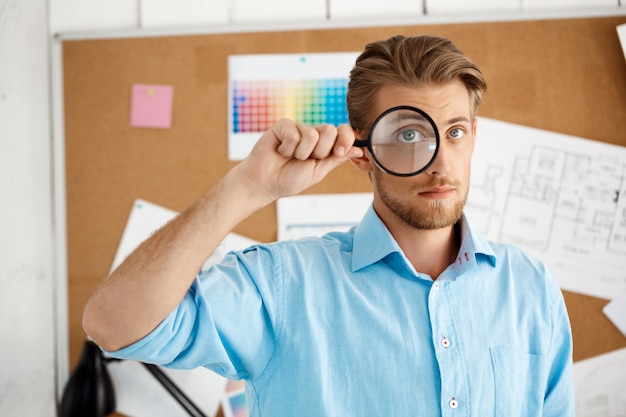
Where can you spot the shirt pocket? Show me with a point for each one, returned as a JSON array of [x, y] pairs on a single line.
[[518, 381]]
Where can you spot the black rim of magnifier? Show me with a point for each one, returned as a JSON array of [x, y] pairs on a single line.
[[367, 143]]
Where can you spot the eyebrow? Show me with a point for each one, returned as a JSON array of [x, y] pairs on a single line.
[[458, 119]]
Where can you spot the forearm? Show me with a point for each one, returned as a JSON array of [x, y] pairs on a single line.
[[149, 284]]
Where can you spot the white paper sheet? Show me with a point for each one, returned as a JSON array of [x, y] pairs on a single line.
[[561, 198], [145, 218], [138, 393], [316, 214], [263, 89], [621, 33], [600, 383], [615, 310]]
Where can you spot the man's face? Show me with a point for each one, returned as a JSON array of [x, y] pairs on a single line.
[[434, 198]]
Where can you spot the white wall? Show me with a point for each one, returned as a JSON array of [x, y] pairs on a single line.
[[27, 346], [29, 260]]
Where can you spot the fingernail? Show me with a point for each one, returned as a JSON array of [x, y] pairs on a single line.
[[340, 151]]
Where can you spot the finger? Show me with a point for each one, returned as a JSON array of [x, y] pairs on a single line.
[[342, 150], [288, 136], [345, 140], [309, 137], [327, 136]]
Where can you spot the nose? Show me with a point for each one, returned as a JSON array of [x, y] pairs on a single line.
[[441, 164]]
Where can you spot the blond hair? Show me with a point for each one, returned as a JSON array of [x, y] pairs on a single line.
[[409, 61]]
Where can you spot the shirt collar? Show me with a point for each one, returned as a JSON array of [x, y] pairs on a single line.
[[373, 242], [473, 245]]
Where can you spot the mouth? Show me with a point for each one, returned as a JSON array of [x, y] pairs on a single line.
[[436, 193]]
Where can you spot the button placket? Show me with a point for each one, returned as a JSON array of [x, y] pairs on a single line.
[[443, 331]]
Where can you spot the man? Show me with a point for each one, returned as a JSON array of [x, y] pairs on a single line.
[[411, 313]]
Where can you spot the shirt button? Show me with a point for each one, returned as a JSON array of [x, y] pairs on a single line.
[[445, 343], [436, 285], [453, 403]]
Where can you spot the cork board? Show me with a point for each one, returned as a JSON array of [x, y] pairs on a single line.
[[563, 75]]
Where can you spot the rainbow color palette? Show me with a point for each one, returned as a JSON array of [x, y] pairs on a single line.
[[258, 104], [308, 88]]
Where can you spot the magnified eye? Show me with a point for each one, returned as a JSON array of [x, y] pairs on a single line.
[[403, 141], [456, 133], [409, 135]]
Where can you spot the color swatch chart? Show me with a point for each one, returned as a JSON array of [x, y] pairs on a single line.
[[257, 104]]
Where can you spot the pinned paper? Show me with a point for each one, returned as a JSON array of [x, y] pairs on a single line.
[[616, 312], [560, 198], [316, 214], [139, 394], [151, 106], [621, 33], [234, 403], [146, 218], [262, 89], [599, 385]]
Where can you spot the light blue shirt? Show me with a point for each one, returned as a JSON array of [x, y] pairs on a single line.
[[344, 326]]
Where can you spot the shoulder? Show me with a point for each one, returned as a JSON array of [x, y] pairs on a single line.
[[516, 256], [300, 253], [333, 241], [523, 268]]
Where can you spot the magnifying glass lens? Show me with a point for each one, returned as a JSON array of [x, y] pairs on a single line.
[[404, 141]]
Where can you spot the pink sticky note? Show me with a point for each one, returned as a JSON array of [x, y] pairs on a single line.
[[151, 106]]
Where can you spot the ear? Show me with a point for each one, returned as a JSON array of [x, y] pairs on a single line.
[[363, 163], [474, 125]]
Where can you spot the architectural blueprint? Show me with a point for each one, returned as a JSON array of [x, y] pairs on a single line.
[[561, 198], [600, 385]]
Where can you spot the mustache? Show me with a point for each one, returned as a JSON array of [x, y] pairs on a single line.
[[435, 183]]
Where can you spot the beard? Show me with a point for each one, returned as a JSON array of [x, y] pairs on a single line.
[[437, 214]]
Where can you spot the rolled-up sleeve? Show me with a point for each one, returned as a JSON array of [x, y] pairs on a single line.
[[227, 321]]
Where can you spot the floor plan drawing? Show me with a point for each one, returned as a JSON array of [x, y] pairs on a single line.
[[561, 198], [599, 385]]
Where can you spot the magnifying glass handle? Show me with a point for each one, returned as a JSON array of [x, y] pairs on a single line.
[[360, 143]]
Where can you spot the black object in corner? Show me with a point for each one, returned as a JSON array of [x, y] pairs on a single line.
[[89, 391]]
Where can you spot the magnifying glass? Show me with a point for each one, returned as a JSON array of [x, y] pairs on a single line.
[[403, 141]]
